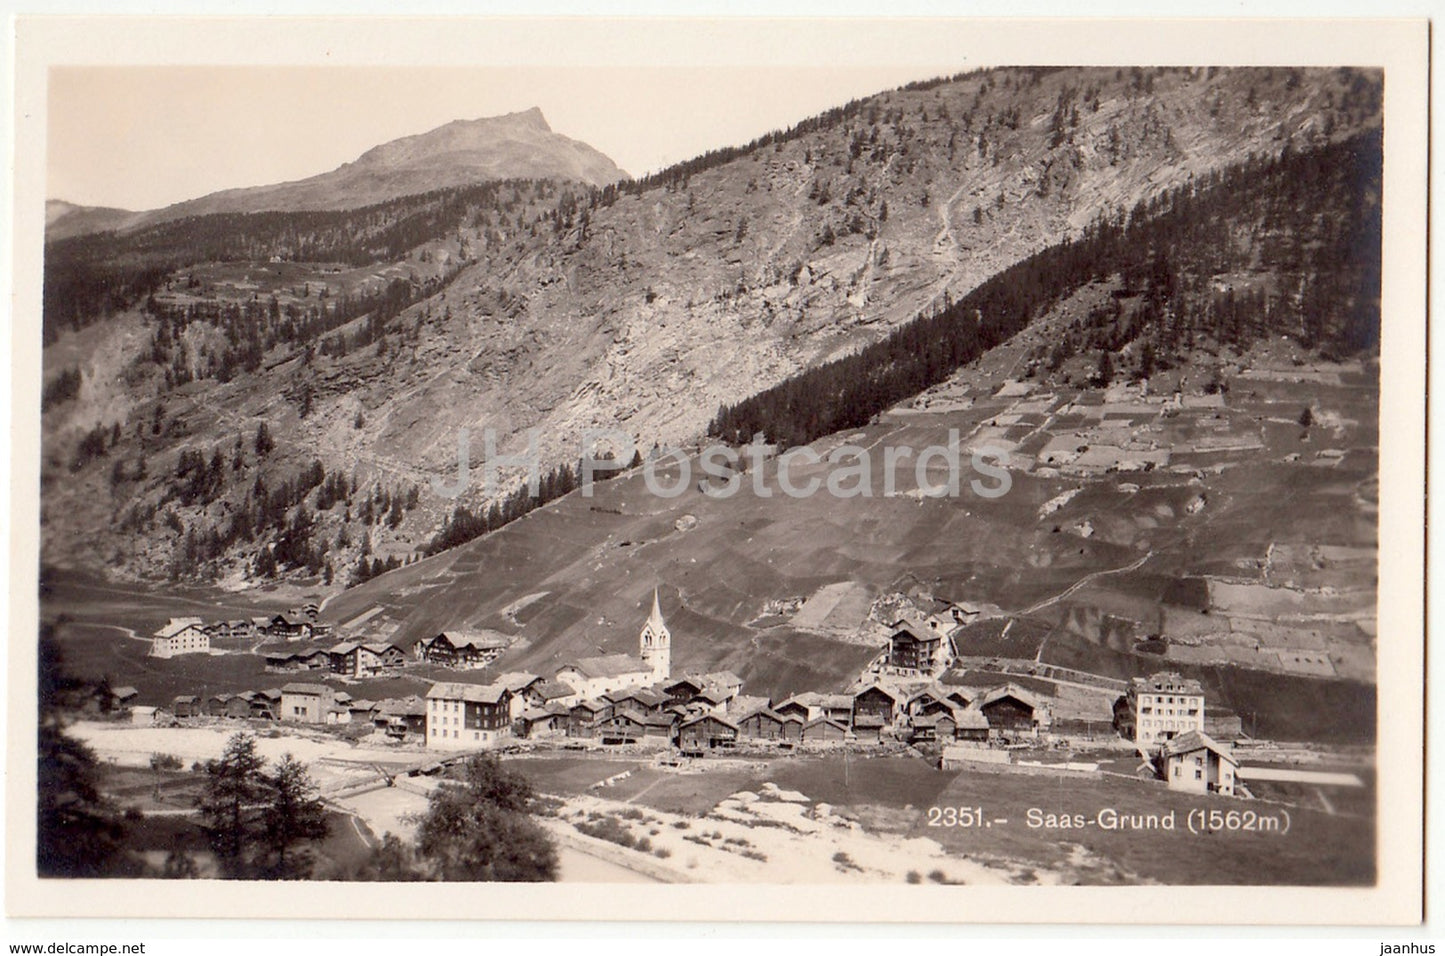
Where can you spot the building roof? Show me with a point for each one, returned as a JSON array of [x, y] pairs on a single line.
[[692, 680], [518, 681], [593, 705], [1187, 743], [474, 693], [1167, 682], [345, 647], [970, 719], [553, 689], [608, 665], [824, 720], [726, 678], [300, 688], [643, 695], [1008, 690], [123, 692], [765, 712], [702, 717], [177, 624], [186, 699], [381, 647], [892, 695], [481, 640], [749, 703], [915, 629]]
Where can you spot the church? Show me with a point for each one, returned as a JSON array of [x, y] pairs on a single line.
[[594, 676]]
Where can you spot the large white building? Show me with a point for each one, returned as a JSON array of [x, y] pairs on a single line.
[[181, 635], [467, 716], [1165, 706]]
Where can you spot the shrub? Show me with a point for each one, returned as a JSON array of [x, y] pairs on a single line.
[[913, 877]]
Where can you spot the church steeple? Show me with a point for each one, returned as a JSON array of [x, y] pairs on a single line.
[[655, 642]]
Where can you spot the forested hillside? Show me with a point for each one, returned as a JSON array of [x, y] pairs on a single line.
[[1303, 228]]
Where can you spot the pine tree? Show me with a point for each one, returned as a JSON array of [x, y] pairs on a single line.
[[228, 805]]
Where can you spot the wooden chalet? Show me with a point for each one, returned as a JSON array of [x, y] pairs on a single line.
[[876, 701], [767, 724], [462, 649], [642, 700], [354, 659], [822, 730], [682, 690], [584, 716], [914, 646], [706, 732], [186, 705], [1012, 710], [631, 726], [550, 721]]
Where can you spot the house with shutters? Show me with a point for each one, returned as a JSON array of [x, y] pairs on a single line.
[[467, 716], [1164, 706], [1196, 763], [181, 635], [462, 649]]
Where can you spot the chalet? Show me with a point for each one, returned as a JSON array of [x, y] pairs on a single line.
[[105, 699], [875, 701], [1163, 706], [924, 729], [181, 635], [548, 692], [186, 705], [231, 630], [267, 704], [709, 700], [630, 726], [797, 706], [362, 710], [725, 682], [765, 724], [519, 684], [466, 716], [401, 717], [748, 703], [642, 700], [239, 706], [915, 647], [549, 721], [215, 705], [144, 715], [595, 676], [792, 727], [1194, 762], [281, 661], [364, 660], [681, 691], [584, 716], [836, 707], [868, 728], [936, 699], [462, 649], [823, 730], [706, 732], [970, 725], [291, 627], [306, 703], [1010, 709]]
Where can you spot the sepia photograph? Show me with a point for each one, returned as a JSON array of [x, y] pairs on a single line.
[[938, 474]]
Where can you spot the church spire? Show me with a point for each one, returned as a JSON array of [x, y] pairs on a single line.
[[655, 642]]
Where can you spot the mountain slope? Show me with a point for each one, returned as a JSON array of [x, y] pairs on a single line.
[[641, 307], [464, 152]]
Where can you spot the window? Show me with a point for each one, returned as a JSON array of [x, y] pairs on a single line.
[[1176, 770], [1199, 775]]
